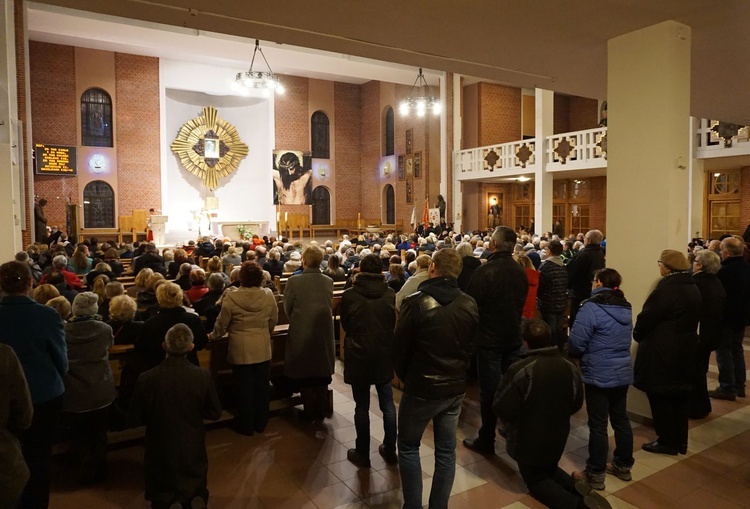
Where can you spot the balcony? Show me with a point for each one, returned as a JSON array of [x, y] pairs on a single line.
[[710, 145], [579, 150]]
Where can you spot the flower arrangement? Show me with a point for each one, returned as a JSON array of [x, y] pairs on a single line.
[[245, 232]]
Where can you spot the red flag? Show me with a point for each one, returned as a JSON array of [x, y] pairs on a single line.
[[426, 215]]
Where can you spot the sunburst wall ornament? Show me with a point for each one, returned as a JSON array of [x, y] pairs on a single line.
[[209, 147]]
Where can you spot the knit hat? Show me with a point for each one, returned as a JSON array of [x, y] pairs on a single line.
[[295, 256], [674, 260], [86, 304]]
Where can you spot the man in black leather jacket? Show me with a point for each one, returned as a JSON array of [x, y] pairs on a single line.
[[433, 345], [581, 270], [499, 288]]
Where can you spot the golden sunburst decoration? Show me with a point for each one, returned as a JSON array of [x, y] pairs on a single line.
[[209, 147]]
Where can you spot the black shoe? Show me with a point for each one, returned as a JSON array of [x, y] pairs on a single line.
[[590, 498], [682, 449], [741, 393], [357, 458], [477, 445], [656, 448], [388, 455], [721, 394]]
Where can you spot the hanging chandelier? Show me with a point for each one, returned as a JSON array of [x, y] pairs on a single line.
[[420, 99], [267, 81]]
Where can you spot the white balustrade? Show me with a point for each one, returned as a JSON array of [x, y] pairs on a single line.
[[512, 158], [578, 150], [710, 145]]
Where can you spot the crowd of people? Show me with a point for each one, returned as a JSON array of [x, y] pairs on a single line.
[[427, 307]]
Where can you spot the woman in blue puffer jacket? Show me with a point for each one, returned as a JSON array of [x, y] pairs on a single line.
[[601, 337]]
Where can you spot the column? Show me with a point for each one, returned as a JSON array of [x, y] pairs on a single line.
[[697, 185], [11, 172], [457, 198], [648, 95], [544, 110]]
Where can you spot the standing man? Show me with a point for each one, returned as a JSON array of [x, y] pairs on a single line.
[[40, 221], [172, 400], [368, 315], [581, 270], [434, 342], [734, 275], [499, 288], [553, 290]]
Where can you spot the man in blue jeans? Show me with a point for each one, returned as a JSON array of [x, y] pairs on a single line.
[[499, 288], [368, 315], [434, 343]]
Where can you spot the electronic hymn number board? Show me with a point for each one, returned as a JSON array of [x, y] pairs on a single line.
[[55, 160]]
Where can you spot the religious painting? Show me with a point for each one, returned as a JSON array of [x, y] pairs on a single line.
[[292, 178], [409, 167], [400, 170], [410, 188], [409, 141], [417, 165]]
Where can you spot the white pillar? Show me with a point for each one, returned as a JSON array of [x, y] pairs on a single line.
[[648, 96], [458, 203], [544, 110], [697, 185], [11, 176]]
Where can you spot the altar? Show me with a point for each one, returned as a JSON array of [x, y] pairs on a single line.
[[225, 228]]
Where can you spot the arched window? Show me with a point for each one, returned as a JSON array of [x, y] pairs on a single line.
[[96, 118], [389, 132], [321, 208], [320, 134], [389, 197], [98, 205]]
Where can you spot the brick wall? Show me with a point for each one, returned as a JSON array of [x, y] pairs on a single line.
[[22, 100], [138, 153], [561, 114], [499, 114], [448, 155], [348, 131], [370, 115], [53, 110], [292, 126], [584, 113]]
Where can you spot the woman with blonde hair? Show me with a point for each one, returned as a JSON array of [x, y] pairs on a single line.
[[529, 308], [112, 290], [44, 293], [140, 282], [146, 300], [61, 305], [231, 260], [99, 284], [214, 266], [101, 268]]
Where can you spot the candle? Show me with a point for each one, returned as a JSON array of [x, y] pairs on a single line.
[[278, 216], [286, 216]]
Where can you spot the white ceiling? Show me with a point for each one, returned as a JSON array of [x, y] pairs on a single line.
[[550, 44]]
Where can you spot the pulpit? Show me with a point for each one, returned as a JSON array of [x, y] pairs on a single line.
[[158, 225]]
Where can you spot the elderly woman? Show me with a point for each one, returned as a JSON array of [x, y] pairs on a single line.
[[214, 267], [62, 306], [198, 286], [309, 353], [89, 386], [171, 312], [45, 292], [35, 333], [666, 332], [273, 263], [230, 260], [295, 261], [141, 281], [249, 315], [713, 298], [100, 269], [180, 257]]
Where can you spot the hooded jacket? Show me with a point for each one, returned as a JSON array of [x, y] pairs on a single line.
[[248, 314], [553, 285], [601, 336], [89, 384], [435, 339], [368, 315]]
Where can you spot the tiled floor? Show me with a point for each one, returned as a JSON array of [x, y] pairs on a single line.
[[299, 466]]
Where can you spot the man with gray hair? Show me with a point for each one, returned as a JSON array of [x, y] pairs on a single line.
[[499, 287], [581, 270], [734, 275], [172, 400]]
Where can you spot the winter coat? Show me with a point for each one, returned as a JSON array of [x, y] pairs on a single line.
[[434, 339], [666, 332], [499, 288], [601, 336], [172, 400], [581, 269], [734, 275], [553, 285], [535, 399], [149, 345], [529, 307], [249, 315], [308, 301], [470, 265], [410, 286], [368, 315], [16, 412], [713, 302], [89, 384], [36, 334]]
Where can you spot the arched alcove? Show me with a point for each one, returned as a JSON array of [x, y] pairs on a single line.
[[98, 205]]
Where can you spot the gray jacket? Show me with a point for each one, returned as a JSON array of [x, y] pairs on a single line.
[[89, 384]]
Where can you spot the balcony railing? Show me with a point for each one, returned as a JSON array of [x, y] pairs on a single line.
[[494, 160], [577, 150], [710, 144]]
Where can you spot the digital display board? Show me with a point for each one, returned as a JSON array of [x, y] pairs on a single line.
[[55, 160]]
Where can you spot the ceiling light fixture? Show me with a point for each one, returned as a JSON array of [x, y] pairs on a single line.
[[524, 179], [267, 81], [420, 99]]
